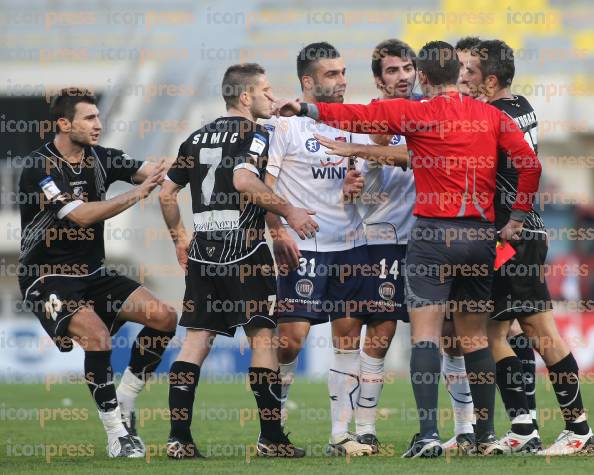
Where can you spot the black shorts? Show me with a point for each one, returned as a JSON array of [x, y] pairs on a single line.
[[54, 300], [519, 286], [450, 261], [222, 297]]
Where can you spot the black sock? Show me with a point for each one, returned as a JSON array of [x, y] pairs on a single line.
[[99, 376], [425, 370], [480, 369], [183, 379], [511, 387], [147, 351], [523, 349], [266, 386], [564, 377]]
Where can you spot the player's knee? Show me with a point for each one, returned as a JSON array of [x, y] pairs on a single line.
[[287, 353], [98, 340], [166, 319], [170, 319]]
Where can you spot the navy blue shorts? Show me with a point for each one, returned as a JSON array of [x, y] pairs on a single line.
[[326, 286], [450, 261], [388, 282]]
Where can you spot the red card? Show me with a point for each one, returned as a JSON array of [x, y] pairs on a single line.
[[503, 253]]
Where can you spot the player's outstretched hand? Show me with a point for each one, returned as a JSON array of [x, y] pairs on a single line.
[[353, 185], [154, 179], [336, 147], [287, 108], [511, 231], [300, 220], [286, 251]]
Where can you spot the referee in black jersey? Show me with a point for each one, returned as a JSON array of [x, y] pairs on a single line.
[[230, 280], [62, 274], [520, 290]]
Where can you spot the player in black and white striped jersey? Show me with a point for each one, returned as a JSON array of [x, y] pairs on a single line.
[[62, 273], [520, 290], [230, 272]]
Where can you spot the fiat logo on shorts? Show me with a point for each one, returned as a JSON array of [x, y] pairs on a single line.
[[387, 291], [304, 288]]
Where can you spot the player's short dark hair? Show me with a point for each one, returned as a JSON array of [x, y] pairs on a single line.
[[311, 54], [439, 62], [238, 79], [468, 43], [391, 47], [497, 59], [63, 104]]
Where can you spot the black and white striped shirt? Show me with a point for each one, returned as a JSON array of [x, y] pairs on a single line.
[[49, 189], [520, 110], [226, 230]]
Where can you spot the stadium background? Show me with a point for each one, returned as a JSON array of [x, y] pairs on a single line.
[[157, 68]]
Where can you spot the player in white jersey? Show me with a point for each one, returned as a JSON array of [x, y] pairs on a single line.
[[319, 278], [387, 219]]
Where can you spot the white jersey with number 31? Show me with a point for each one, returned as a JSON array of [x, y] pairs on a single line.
[[310, 178]]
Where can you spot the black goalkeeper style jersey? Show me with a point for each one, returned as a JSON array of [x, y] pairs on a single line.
[[51, 188], [226, 229], [520, 110]]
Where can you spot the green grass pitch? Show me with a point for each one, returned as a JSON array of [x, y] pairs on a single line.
[[57, 431]]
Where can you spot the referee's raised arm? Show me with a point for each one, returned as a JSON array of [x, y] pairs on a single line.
[[378, 117]]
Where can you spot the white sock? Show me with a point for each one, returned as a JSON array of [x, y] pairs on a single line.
[[372, 381], [454, 374], [287, 372], [112, 422], [128, 390], [343, 386], [533, 414]]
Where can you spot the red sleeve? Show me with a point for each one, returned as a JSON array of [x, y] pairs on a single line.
[[524, 159], [379, 117]]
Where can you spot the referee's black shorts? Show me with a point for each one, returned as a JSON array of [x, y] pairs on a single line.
[[222, 297], [519, 286], [450, 262]]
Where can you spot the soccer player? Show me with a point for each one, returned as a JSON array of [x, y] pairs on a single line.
[[520, 290], [470, 82], [317, 278], [388, 219], [64, 279], [453, 142], [230, 272]]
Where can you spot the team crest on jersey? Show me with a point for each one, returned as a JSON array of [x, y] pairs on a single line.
[[77, 192], [387, 291], [312, 145], [210, 251], [396, 139], [304, 288]]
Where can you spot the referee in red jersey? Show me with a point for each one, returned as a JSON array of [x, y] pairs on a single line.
[[452, 141]]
